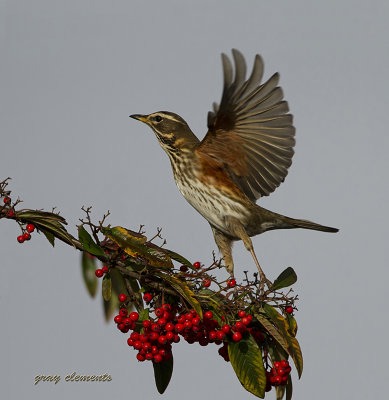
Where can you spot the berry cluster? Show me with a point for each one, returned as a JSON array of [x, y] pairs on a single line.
[[101, 271], [27, 234], [278, 375]]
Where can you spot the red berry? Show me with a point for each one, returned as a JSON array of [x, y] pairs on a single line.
[[289, 309], [231, 283], [208, 315], [206, 283], [169, 327], [154, 336], [277, 365], [242, 314], [162, 339], [277, 380], [226, 328], [162, 322], [140, 357], [166, 307], [10, 213], [159, 312], [143, 337], [146, 323], [7, 200], [236, 336], [118, 319], [20, 239], [281, 372], [134, 316], [169, 336], [130, 341], [26, 236], [157, 358], [183, 268], [246, 321], [149, 356], [155, 328], [99, 273], [240, 327], [189, 316], [137, 344], [196, 265], [30, 228], [284, 363], [123, 312], [220, 335], [134, 336], [179, 328], [122, 297], [120, 326], [105, 269], [147, 297], [284, 379], [196, 321]]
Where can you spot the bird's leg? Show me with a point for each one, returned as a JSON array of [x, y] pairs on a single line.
[[225, 246], [238, 229]]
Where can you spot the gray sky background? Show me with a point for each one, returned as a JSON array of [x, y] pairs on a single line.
[[72, 71]]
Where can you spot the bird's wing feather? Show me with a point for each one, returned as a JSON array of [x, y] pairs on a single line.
[[251, 133]]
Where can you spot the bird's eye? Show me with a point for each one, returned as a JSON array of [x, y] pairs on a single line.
[[158, 118]]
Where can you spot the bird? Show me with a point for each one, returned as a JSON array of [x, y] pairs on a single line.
[[244, 156]]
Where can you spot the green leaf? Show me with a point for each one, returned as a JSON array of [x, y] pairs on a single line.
[[162, 374], [49, 236], [88, 267], [280, 391], [144, 314], [287, 278], [135, 245], [282, 325], [49, 222], [272, 330], [177, 257], [110, 307], [107, 287], [183, 289], [118, 284], [289, 389], [246, 359], [88, 243], [292, 324]]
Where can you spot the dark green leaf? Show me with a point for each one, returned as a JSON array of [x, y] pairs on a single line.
[[246, 359], [287, 278], [110, 307], [162, 374], [88, 267], [280, 391], [49, 236], [282, 325], [107, 287], [177, 257], [292, 324], [289, 389], [87, 242], [118, 284]]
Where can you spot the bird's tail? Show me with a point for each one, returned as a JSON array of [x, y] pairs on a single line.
[[301, 223]]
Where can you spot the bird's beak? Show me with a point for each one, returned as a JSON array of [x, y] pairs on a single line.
[[139, 117]]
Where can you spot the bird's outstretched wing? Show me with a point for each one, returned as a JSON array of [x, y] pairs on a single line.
[[251, 133]]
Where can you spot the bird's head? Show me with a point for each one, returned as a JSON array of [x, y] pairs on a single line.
[[172, 132]]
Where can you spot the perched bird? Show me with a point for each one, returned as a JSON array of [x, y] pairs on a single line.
[[245, 154]]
